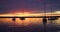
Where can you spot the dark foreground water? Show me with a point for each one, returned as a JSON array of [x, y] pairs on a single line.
[[34, 28]]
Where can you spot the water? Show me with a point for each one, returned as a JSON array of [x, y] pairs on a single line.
[[29, 25]]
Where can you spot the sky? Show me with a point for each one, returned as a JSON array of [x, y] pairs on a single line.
[[36, 6]]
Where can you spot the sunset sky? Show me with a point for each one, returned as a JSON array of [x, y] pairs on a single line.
[[36, 6], [28, 8]]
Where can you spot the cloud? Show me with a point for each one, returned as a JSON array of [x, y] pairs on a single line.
[[32, 5]]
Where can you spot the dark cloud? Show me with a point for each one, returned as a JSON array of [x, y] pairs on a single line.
[[7, 6]]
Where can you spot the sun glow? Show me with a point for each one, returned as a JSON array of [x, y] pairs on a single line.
[[57, 11], [20, 14], [30, 14]]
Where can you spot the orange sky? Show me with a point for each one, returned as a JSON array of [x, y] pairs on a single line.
[[32, 14]]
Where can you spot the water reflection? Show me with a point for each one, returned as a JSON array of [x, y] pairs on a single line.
[[27, 21], [30, 24]]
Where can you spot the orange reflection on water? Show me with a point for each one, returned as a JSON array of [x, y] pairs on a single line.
[[27, 21]]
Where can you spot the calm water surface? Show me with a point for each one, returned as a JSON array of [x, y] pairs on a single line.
[[29, 25]]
